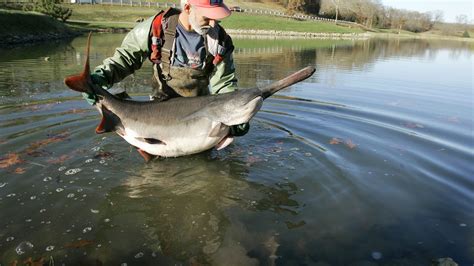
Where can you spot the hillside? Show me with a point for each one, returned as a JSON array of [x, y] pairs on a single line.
[[21, 27], [99, 16]]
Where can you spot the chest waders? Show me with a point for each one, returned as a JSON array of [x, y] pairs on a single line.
[[170, 81]]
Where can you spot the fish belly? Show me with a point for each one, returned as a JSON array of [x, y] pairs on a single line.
[[177, 145]]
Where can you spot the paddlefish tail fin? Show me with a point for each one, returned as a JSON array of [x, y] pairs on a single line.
[[301, 75], [82, 82]]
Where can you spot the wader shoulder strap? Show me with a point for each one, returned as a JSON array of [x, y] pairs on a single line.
[[167, 48], [224, 46], [209, 60], [156, 33]]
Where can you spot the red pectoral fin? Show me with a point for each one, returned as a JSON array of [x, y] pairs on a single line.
[[101, 128], [146, 155], [108, 123]]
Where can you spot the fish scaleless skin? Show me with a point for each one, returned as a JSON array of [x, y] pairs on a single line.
[[179, 126]]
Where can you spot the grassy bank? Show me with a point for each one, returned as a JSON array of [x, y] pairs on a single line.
[[116, 16], [261, 22], [14, 22], [104, 17], [104, 13]]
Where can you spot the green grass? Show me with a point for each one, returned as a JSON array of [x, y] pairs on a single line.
[[110, 14], [101, 16], [262, 22], [395, 31], [18, 22], [99, 25]]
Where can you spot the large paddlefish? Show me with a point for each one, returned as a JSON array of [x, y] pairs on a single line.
[[179, 126]]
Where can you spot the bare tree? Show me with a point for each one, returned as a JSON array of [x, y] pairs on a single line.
[[461, 19], [371, 13], [437, 16], [336, 6], [397, 19], [307, 6]]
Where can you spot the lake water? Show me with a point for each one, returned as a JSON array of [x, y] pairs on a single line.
[[368, 162]]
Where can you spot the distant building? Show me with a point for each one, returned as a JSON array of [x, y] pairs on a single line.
[[83, 1]]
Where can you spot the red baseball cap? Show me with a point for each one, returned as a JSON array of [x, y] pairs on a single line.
[[213, 9]]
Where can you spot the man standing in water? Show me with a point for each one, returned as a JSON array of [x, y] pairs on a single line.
[[191, 55]]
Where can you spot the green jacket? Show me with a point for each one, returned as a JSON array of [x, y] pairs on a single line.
[[135, 50]]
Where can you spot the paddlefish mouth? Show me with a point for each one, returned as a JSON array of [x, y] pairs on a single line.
[[251, 108]]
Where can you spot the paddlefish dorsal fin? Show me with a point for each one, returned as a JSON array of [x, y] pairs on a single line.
[[81, 82]]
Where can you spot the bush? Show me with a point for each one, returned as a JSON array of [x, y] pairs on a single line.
[[466, 34], [52, 8]]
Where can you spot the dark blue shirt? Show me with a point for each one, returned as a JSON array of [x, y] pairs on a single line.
[[190, 50]]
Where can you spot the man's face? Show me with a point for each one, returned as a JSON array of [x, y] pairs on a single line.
[[199, 23]]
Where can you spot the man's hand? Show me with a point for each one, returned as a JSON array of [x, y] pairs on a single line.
[[239, 130], [89, 97], [98, 80]]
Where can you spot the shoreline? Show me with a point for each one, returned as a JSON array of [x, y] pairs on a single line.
[[12, 40], [423, 36], [273, 34]]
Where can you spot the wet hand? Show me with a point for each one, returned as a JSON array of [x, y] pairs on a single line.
[[239, 130]]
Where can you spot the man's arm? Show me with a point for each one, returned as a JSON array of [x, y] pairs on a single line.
[[127, 58], [223, 79]]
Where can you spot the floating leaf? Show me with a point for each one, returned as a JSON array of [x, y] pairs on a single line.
[[253, 159], [335, 141], [350, 144], [31, 262], [60, 159], [19, 170], [277, 150], [79, 244], [9, 160], [103, 155], [35, 146], [291, 225]]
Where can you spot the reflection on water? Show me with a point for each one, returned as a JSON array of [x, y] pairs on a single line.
[[368, 162]]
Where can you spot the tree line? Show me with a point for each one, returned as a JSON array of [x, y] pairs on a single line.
[[370, 13]]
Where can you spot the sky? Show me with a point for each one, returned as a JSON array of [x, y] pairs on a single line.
[[450, 8]]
